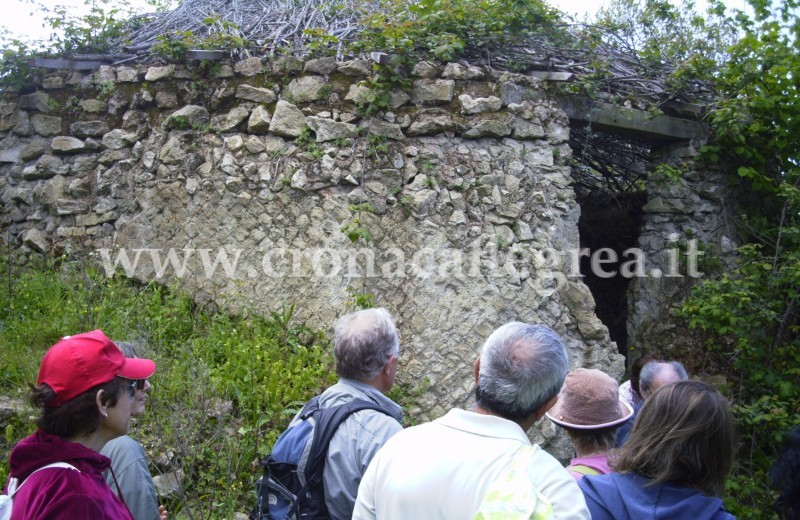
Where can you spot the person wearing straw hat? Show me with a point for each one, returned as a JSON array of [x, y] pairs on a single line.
[[590, 410], [85, 390]]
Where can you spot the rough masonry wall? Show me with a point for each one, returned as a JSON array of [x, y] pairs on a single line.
[[684, 218], [263, 165]]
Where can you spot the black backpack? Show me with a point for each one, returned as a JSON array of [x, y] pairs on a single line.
[[291, 487]]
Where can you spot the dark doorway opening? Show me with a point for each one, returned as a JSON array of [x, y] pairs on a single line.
[[610, 221]]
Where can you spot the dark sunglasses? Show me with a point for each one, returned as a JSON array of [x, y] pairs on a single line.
[[133, 386]]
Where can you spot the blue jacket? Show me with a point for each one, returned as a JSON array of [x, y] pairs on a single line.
[[624, 431], [624, 496]]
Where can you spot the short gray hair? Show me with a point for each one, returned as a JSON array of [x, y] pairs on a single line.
[[522, 367], [652, 369], [363, 342], [129, 349]]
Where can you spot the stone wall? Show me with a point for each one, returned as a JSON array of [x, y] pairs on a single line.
[[683, 218], [263, 165]]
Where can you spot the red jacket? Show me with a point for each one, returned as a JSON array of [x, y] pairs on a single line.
[[62, 494]]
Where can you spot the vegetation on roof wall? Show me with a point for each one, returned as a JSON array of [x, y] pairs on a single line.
[[744, 67]]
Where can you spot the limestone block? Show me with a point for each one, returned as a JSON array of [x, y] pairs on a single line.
[[192, 186], [457, 218], [254, 144], [71, 206], [426, 69], [53, 82], [488, 128], [172, 152], [234, 184], [94, 219], [259, 121], [306, 88], [287, 65], [37, 240], [9, 120], [234, 142], [355, 68], [524, 129], [589, 326], [104, 74], [118, 102], [459, 71], [329, 130], [159, 73], [287, 121], [504, 236], [46, 125], [84, 164], [77, 187], [8, 108], [83, 129], [422, 202], [523, 232], [117, 139], [358, 94], [433, 91], [324, 66], [38, 101], [110, 157], [65, 145], [398, 98], [388, 130], [231, 120], [248, 67], [274, 143], [194, 114], [166, 99], [557, 132], [257, 94], [23, 124], [127, 75], [429, 122], [471, 105], [35, 149], [224, 71], [142, 100], [93, 106]]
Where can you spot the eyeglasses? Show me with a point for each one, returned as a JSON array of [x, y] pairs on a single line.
[[134, 385], [131, 388]]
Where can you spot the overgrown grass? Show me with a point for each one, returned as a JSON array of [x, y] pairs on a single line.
[[225, 386]]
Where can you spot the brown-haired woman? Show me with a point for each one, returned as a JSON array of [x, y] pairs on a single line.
[[85, 390], [674, 464]]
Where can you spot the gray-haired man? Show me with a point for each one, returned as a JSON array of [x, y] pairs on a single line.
[[653, 376], [480, 463], [367, 349]]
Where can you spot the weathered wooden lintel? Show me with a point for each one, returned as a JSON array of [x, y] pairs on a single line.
[[630, 122], [53, 63]]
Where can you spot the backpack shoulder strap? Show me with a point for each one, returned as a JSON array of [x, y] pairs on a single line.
[[328, 421], [13, 487], [583, 470]]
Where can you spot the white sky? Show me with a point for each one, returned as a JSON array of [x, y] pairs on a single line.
[[23, 22]]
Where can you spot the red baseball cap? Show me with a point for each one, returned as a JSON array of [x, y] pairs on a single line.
[[77, 363]]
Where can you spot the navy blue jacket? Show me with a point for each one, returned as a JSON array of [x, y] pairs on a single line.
[[624, 496]]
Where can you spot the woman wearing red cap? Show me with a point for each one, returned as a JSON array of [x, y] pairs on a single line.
[[85, 390]]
